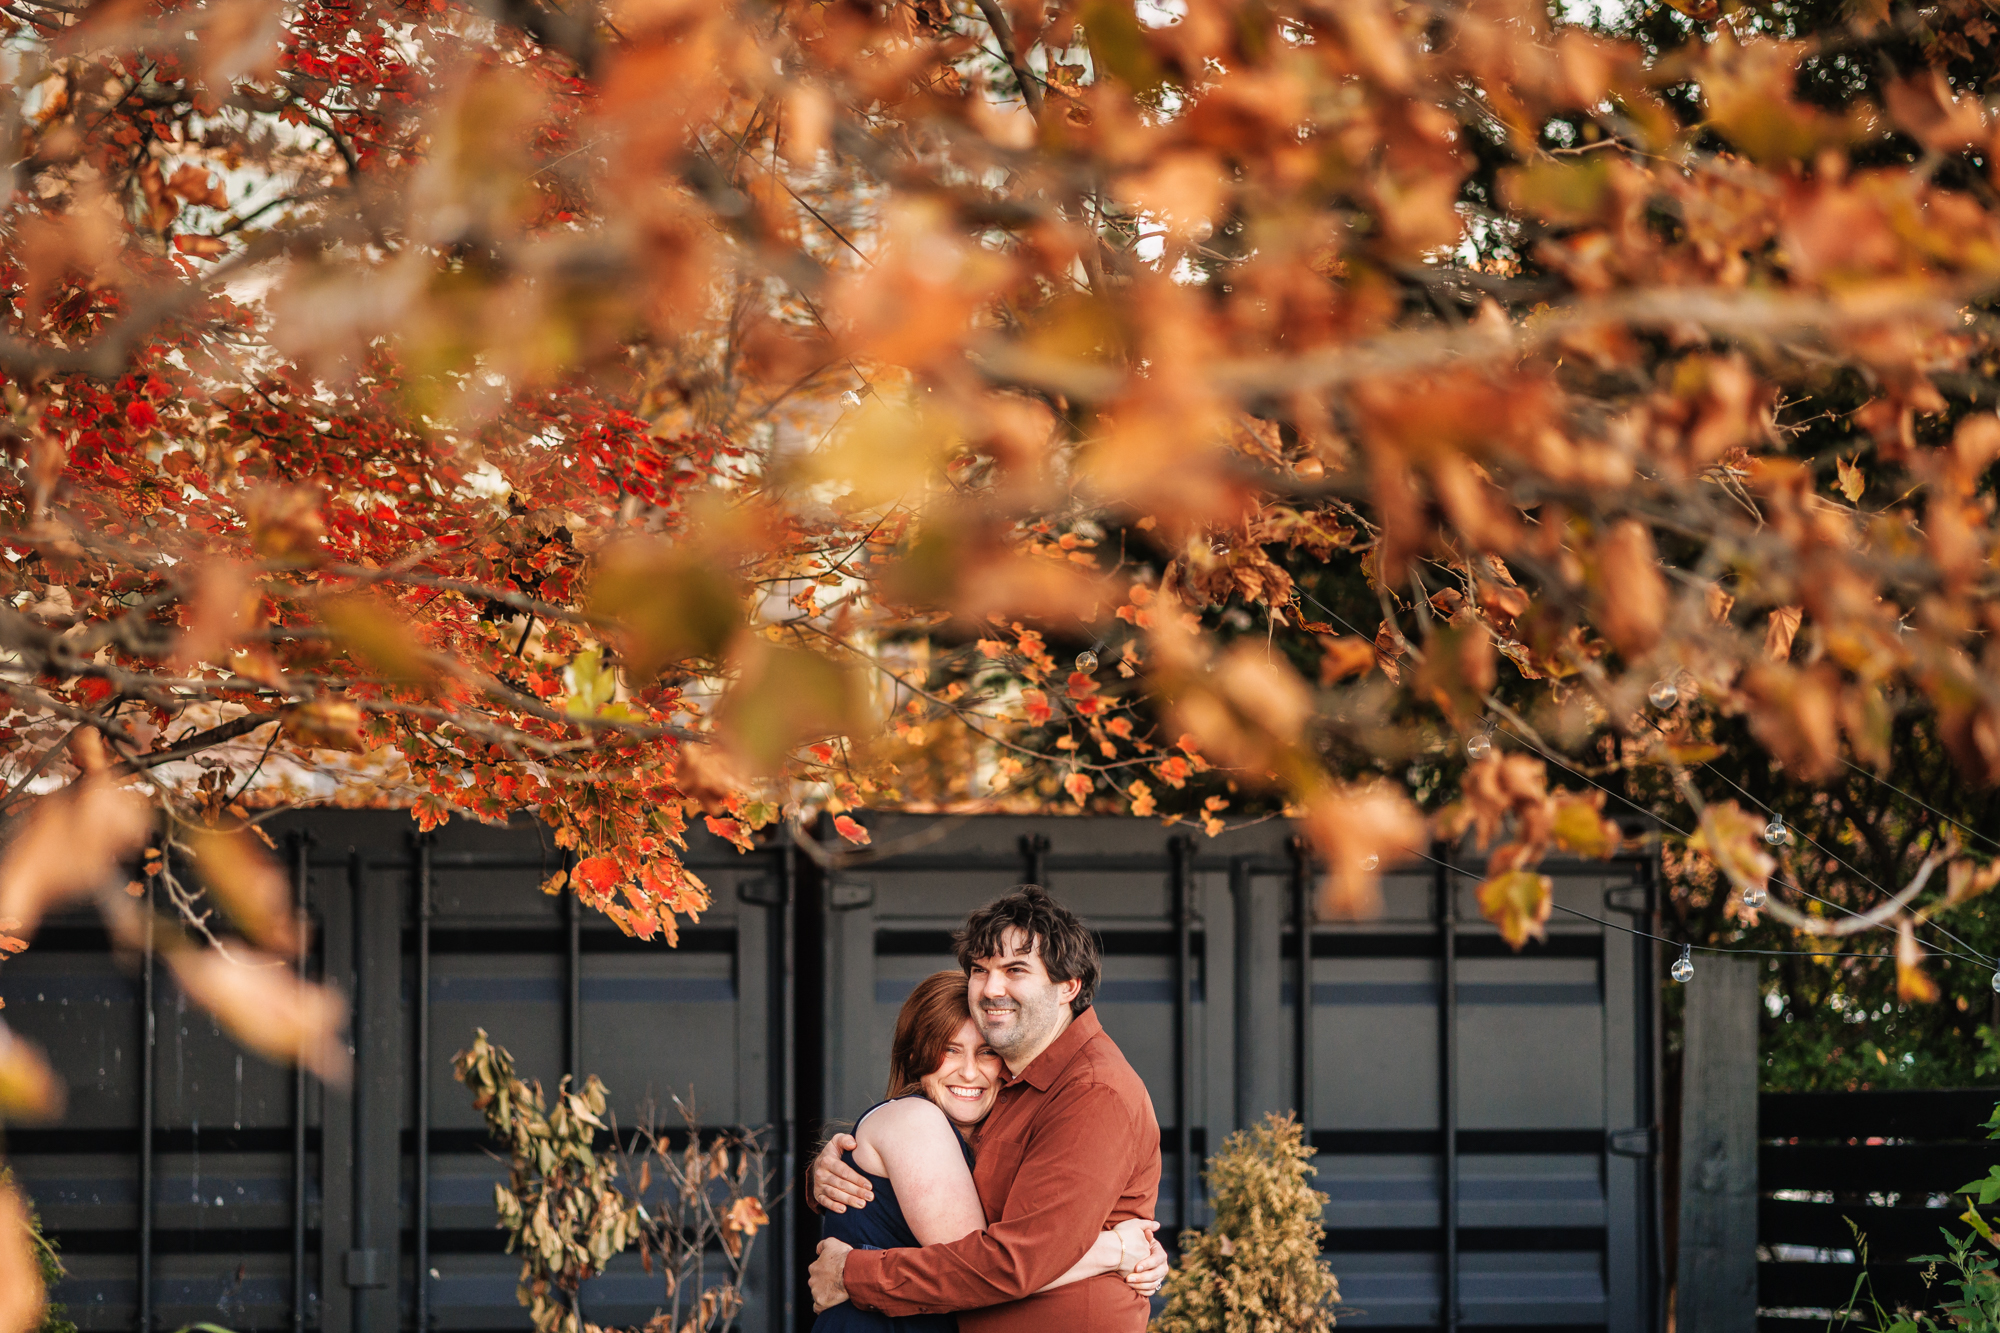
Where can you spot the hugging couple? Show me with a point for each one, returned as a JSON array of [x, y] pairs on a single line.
[[1012, 1172]]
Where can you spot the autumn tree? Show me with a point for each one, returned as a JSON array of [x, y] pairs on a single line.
[[665, 412]]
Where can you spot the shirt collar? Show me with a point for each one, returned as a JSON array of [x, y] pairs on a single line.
[[1042, 1070]]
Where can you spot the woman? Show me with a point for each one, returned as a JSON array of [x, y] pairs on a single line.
[[943, 1079]]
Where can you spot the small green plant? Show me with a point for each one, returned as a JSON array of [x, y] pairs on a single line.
[[54, 1318], [1258, 1268], [1977, 1307], [568, 1212]]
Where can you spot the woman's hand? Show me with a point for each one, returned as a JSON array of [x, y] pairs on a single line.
[[1135, 1242]]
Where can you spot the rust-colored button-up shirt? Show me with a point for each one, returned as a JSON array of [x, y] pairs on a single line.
[[1071, 1147]]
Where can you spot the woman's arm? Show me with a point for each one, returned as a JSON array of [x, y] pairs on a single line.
[[920, 1154], [1118, 1250]]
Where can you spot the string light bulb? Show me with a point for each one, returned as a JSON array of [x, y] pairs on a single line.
[[1754, 896], [1370, 862], [1086, 661], [1776, 833], [1664, 694], [1996, 981], [1683, 967], [1478, 746]]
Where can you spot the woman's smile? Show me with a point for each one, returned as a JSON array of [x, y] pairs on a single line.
[[967, 1080]]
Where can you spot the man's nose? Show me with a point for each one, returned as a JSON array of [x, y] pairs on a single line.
[[995, 987]]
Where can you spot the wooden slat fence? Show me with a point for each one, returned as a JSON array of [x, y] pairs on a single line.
[[1887, 1162]]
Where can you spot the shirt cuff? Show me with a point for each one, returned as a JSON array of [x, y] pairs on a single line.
[[862, 1277]]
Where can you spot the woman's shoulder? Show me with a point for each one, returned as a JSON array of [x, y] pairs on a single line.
[[914, 1114]]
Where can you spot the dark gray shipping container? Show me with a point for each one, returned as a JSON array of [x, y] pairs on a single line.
[[1443, 1076]]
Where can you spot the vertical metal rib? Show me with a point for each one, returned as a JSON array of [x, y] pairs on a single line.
[[421, 1222], [573, 982], [1302, 1020], [1447, 898], [1035, 852], [361, 1225], [783, 1112], [146, 1042], [1182, 851], [301, 842]]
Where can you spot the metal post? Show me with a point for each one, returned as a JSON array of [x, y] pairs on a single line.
[[1035, 851], [1447, 897], [573, 982], [421, 1223], [1302, 1023], [1182, 851], [147, 1037], [301, 843]]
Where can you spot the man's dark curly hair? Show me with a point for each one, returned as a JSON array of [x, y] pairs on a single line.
[[1068, 948]]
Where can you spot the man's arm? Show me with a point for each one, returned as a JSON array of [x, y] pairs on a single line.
[[1075, 1171]]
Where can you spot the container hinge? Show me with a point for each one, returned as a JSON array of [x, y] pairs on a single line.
[[366, 1268], [847, 895], [1627, 898], [1641, 1142], [764, 891]]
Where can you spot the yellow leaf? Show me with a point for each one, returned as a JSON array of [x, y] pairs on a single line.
[[1852, 483], [28, 1087], [1966, 880], [1519, 903], [1579, 825], [669, 604], [785, 697], [376, 633]]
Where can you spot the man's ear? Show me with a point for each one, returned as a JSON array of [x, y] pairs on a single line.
[[1070, 989]]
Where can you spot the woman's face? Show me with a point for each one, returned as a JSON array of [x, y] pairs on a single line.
[[967, 1081]]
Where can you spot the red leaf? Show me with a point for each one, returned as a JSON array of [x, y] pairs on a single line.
[[850, 830], [596, 874]]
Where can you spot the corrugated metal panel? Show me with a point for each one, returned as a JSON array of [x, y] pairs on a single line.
[[778, 1006]]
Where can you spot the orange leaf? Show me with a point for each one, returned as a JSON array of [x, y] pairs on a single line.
[[851, 830], [1359, 832], [249, 884], [1913, 985], [1078, 785], [746, 1215], [72, 844], [267, 1008], [1734, 840]]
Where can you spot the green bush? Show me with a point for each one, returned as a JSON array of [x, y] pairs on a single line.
[[1258, 1268]]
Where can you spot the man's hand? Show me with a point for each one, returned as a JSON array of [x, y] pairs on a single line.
[[1151, 1274], [826, 1273], [836, 1186]]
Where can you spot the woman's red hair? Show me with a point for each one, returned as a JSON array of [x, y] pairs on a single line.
[[931, 1017]]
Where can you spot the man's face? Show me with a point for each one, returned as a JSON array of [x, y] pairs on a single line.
[[1018, 1009]]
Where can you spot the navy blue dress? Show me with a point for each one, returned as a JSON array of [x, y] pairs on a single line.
[[879, 1226]]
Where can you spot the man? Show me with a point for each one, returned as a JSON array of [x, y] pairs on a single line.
[[1071, 1147]]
